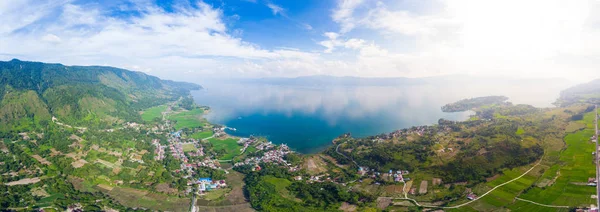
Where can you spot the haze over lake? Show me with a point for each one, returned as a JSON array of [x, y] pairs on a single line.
[[307, 116]]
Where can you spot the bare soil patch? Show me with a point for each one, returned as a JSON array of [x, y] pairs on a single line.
[[347, 207], [79, 163], [54, 152], [383, 202], [408, 186], [41, 160], [423, 187], [436, 181], [26, 181], [105, 187], [315, 165], [39, 192], [492, 178], [165, 188]]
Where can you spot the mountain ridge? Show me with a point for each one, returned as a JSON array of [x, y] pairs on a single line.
[[97, 95]]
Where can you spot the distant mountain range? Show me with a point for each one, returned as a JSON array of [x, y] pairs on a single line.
[[33, 92], [325, 80]]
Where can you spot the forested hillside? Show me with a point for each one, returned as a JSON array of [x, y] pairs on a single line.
[[32, 92]]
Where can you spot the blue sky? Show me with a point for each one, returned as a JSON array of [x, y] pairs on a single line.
[[190, 39]]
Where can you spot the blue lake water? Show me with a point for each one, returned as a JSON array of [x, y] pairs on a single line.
[[308, 118]]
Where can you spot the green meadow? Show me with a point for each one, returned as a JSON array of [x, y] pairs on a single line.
[[281, 185], [229, 145], [202, 135], [188, 119], [153, 112]]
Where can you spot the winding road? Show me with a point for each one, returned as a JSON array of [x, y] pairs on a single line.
[[550, 206], [337, 150], [597, 158]]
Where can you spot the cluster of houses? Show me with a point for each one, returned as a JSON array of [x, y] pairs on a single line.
[[246, 142], [207, 184], [419, 130], [274, 155], [159, 151], [197, 153], [397, 176], [177, 151], [266, 145], [219, 131]]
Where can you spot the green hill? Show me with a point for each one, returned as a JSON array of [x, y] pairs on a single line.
[[583, 93], [95, 96]]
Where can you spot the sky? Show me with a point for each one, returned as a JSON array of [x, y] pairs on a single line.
[[193, 39]]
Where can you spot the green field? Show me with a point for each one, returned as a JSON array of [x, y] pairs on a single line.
[[503, 196], [576, 167], [229, 145], [188, 119], [520, 131], [281, 185], [154, 112], [202, 135], [189, 148]]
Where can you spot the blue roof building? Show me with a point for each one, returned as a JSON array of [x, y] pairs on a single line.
[[205, 179]]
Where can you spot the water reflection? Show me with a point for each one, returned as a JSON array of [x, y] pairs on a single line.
[[309, 117]]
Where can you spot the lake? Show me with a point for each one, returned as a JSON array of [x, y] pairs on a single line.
[[308, 118]]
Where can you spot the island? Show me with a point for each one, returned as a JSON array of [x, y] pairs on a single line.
[[469, 104]]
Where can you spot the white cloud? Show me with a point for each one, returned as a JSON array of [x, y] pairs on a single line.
[[343, 14], [51, 38], [487, 37], [276, 9], [537, 38], [306, 26]]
